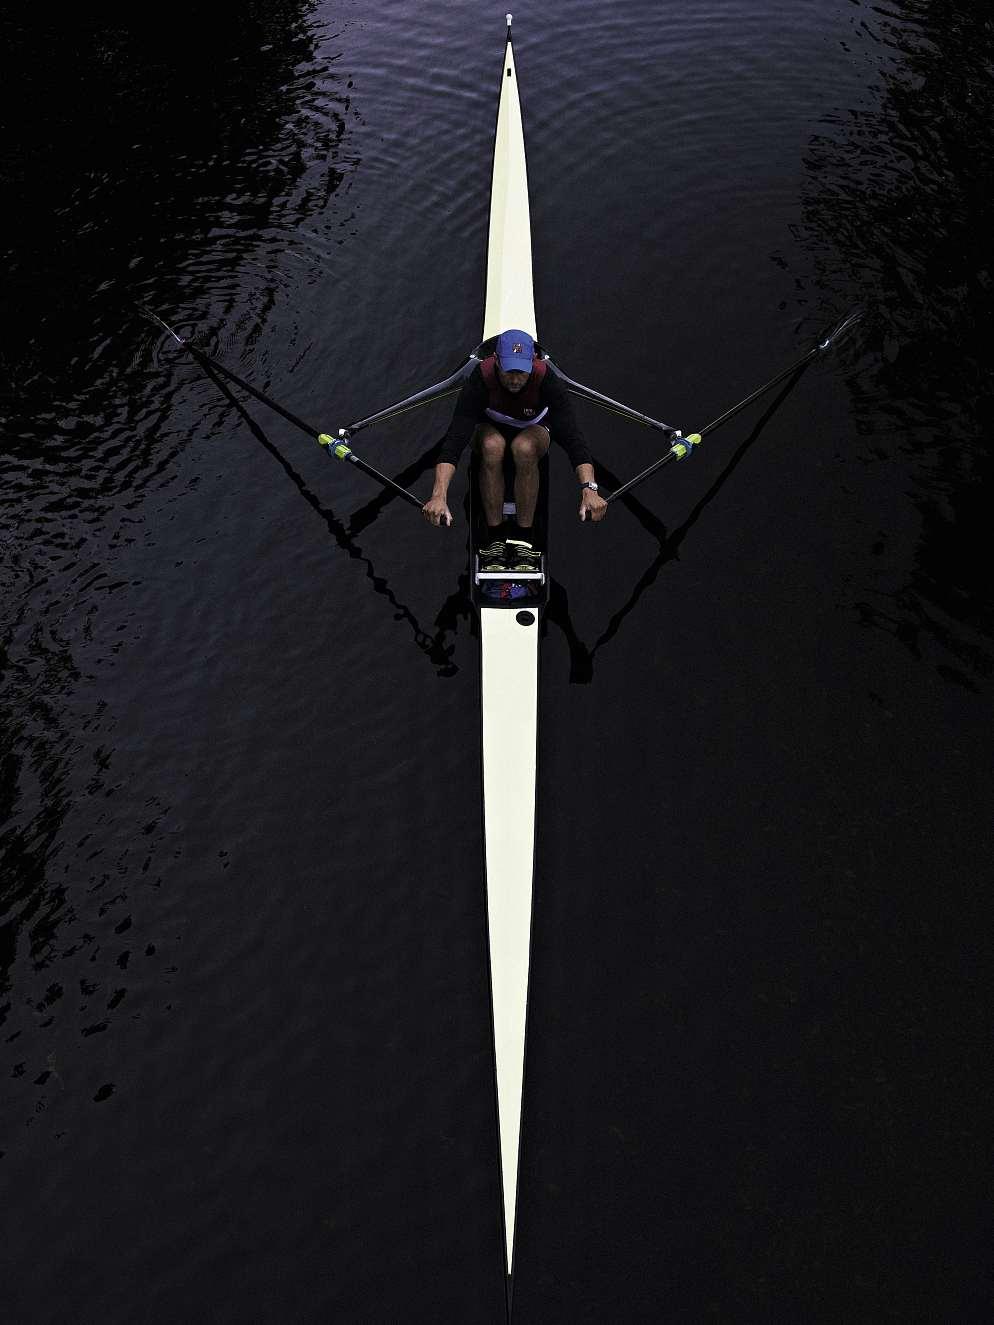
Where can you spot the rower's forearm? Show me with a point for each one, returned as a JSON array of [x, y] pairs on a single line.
[[585, 473], [443, 477]]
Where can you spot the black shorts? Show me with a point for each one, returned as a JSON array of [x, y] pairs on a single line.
[[507, 430]]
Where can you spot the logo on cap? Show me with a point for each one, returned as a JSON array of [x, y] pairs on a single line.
[[517, 349]]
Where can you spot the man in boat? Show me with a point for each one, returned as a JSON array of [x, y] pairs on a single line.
[[512, 399]]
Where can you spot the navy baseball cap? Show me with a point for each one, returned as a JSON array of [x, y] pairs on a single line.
[[515, 351]]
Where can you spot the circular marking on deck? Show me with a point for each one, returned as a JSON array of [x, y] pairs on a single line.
[[525, 618]]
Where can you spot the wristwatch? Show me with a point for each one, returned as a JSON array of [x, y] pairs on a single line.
[[589, 484]]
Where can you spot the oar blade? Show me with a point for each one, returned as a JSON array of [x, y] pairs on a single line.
[[831, 338]]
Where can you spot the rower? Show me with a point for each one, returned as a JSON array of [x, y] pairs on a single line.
[[513, 398]]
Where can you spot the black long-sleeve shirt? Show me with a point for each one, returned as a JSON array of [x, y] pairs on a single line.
[[471, 407]]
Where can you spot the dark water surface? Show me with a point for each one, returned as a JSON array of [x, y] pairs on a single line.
[[246, 1063]]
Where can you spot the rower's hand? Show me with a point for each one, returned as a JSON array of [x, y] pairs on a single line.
[[592, 504], [436, 512]]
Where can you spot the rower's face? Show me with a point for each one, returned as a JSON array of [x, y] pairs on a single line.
[[514, 381]]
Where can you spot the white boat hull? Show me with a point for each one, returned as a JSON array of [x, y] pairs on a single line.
[[509, 669], [510, 716], [510, 303]]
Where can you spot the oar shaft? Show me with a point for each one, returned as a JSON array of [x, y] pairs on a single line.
[[760, 391], [646, 473], [831, 338], [336, 446], [710, 427], [340, 448], [219, 367], [313, 433], [203, 357], [683, 446]]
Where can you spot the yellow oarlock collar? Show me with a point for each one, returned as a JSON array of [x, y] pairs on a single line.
[[335, 444], [682, 447]]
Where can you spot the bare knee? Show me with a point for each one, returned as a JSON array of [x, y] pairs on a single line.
[[491, 447], [527, 450]]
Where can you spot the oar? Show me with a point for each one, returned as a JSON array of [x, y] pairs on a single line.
[[683, 446], [337, 446]]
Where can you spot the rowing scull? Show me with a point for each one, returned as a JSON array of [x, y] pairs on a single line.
[[509, 677]]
